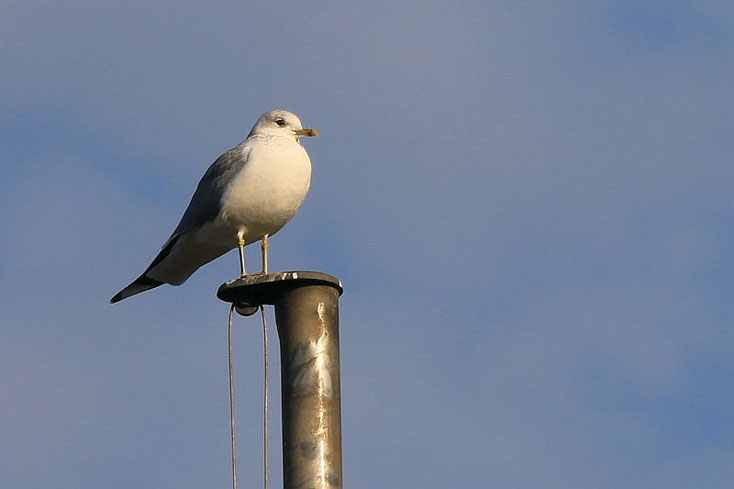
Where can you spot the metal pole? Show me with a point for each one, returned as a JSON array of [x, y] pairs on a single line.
[[307, 316]]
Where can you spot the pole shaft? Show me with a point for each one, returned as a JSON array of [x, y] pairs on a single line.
[[307, 315], [308, 328]]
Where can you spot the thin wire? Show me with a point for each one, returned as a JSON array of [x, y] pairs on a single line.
[[231, 399], [266, 382]]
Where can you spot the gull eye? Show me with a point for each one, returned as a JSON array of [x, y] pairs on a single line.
[[280, 121]]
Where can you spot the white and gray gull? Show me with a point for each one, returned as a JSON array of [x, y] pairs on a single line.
[[246, 195]]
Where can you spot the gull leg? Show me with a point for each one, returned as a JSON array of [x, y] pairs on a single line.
[[241, 248], [243, 309], [264, 248]]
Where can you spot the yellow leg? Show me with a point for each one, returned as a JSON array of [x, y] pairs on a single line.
[[241, 247], [264, 248]]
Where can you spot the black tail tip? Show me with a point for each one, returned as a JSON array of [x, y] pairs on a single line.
[[142, 284]]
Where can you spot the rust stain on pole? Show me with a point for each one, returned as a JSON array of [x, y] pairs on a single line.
[[307, 316]]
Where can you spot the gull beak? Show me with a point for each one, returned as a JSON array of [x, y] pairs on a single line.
[[308, 132]]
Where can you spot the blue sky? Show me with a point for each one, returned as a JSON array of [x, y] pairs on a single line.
[[530, 206]]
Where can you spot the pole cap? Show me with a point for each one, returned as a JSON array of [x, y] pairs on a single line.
[[248, 292]]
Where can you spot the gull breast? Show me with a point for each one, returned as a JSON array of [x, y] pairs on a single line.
[[269, 189]]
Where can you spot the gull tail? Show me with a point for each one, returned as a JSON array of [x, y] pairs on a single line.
[[141, 284]]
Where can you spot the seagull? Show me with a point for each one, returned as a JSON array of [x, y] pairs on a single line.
[[248, 194]]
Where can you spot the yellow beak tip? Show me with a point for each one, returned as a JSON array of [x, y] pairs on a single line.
[[307, 131]]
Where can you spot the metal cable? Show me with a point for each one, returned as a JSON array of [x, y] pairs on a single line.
[[231, 399], [266, 380], [266, 383]]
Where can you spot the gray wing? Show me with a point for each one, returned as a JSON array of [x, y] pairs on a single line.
[[206, 202], [204, 207]]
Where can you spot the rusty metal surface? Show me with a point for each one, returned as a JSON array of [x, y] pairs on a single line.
[[307, 315]]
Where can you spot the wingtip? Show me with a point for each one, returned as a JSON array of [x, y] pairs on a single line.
[[142, 284]]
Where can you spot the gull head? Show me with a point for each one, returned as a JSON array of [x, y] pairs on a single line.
[[281, 123]]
